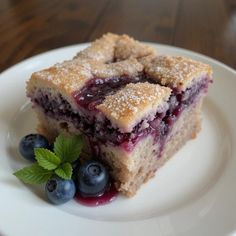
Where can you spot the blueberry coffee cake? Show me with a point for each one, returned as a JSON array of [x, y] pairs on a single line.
[[134, 107]]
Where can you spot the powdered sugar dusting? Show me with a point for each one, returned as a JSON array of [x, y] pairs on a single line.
[[95, 60], [126, 47], [114, 56], [129, 67], [133, 102], [68, 75], [175, 71]]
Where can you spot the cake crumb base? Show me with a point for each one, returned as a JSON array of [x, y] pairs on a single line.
[[131, 170]]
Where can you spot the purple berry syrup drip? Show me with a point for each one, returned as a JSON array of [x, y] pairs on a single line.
[[101, 131], [107, 197]]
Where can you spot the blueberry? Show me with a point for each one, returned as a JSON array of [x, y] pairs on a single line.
[[29, 142], [59, 190], [92, 179]]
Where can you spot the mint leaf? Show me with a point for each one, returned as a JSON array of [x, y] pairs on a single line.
[[68, 148], [64, 171], [33, 174], [46, 159]]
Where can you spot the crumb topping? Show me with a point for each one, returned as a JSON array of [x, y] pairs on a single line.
[[130, 67], [114, 56], [101, 50], [175, 71], [134, 102], [109, 56], [127, 47], [69, 75]]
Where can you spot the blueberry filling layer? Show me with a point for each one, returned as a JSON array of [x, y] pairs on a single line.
[[85, 119], [95, 91]]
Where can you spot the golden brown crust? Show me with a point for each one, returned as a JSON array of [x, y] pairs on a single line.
[[113, 56], [66, 77], [130, 56], [94, 61], [175, 71], [129, 106], [129, 67], [101, 50], [127, 47]]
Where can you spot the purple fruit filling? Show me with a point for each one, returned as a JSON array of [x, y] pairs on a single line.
[[95, 90], [102, 131]]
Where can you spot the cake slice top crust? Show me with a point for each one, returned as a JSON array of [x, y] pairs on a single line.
[[122, 59], [113, 56], [111, 47], [135, 102], [64, 77], [110, 56], [175, 71], [101, 50], [127, 47]]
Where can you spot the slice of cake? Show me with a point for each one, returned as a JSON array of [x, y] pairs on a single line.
[[135, 108]]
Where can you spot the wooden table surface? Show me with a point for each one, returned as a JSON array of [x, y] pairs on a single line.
[[29, 27]]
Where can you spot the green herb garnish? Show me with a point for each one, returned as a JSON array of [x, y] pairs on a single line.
[[66, 150]]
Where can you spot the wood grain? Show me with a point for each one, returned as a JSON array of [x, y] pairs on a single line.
[[145, 20], [213, 33], [30, 27]]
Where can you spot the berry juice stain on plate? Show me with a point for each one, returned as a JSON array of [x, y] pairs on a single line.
[[107, 197]]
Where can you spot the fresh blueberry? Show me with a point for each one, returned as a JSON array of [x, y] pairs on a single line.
[[59, 190], [92, 179], [29, 142]]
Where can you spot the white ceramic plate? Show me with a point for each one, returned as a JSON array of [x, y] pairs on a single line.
[[193, 194]]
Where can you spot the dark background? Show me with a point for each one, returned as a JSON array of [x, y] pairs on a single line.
[[29, 27]]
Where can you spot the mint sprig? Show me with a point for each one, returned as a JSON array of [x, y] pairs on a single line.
[[66, 150], [64, 171], [47, 159], [33, 174]]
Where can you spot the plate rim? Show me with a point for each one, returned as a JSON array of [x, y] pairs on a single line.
[[27, 60], [220, 63]]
